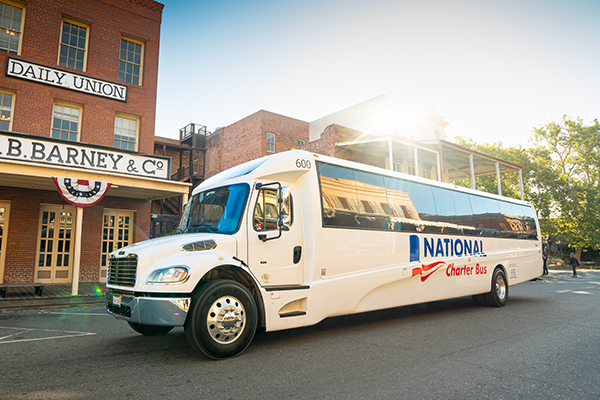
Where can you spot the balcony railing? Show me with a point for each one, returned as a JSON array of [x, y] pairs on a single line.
[[192, 129]]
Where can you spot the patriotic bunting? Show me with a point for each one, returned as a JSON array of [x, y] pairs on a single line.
[[81, 192]]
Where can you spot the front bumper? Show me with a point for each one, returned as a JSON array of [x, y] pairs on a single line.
[[162, 311]]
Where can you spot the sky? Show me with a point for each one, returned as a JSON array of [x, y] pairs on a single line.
[[493, 69]]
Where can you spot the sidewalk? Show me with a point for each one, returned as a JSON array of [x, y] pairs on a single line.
[[563, 274], [55, 294]]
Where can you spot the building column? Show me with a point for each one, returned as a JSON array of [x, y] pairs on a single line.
[[472, 165], [77, 256], [498, 179], [521, 184], [391, 154], [416, 151], [439, 166]]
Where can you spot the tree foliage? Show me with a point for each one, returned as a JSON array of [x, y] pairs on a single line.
[[561, 176]]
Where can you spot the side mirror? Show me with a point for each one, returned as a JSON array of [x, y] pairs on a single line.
[[258, 186]]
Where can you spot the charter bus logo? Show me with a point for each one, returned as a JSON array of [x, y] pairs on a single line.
[[445, 248]]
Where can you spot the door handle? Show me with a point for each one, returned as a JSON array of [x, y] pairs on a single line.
[[297, 254]]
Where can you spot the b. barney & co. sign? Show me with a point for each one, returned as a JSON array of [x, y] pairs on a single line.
[[32, 149]]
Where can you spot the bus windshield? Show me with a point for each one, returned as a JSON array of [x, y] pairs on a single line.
[[216, 210]]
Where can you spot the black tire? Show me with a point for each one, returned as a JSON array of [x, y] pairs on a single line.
[[222, 320], [150, 330], [498, 295]]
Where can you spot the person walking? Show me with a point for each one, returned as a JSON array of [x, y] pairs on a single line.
[[545, 260], [574, 262]]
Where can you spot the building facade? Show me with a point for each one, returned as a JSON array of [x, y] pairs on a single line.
[[77, 101]]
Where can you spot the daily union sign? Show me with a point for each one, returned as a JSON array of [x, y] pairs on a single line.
[[19, 147], [55, 77]]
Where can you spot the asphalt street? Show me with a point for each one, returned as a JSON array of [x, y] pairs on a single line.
[[543, 344]]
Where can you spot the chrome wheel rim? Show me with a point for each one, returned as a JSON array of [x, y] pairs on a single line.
[[500, 287], [226, 319]]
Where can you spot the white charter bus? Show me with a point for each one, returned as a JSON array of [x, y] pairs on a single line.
[[287, 240]]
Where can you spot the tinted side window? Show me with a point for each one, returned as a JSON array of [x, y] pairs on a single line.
[[372, 197], [359, 199], [478, 205], [340, 202], [444, 204], [422, 197], [528, 227]]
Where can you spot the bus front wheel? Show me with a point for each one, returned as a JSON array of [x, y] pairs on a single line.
[[498, 295], [222, 320]]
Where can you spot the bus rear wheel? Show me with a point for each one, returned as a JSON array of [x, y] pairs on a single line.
[[222, 320], [498, 295]]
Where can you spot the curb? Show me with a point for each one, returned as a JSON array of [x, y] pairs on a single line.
[[11, 305]]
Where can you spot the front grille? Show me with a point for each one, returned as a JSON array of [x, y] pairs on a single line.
[[121, 271]]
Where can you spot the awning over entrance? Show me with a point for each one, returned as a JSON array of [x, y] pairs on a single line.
[[39, 176]]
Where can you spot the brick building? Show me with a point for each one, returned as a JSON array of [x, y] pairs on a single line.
[[77, 101], [377, 131]]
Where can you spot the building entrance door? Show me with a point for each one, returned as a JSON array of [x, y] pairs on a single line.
[[4, 216], [55, 244], [116, 233]]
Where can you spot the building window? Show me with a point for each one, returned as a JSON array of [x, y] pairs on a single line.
[[73, 45], [300, 143], [397, 166], [411, 170], [6, 111], [11, 22], [427, 173], [66, 122], [130, 61], [126, 132], [270, 143]]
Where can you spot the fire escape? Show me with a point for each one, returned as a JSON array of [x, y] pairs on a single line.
[[191, 157]]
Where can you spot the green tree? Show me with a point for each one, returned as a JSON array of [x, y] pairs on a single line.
[[572, 150]]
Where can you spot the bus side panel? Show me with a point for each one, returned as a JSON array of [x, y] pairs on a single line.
[[366, 280]]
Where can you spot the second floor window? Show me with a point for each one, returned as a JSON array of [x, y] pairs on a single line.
[[126, 129], [73, 44], [6, 110], [66, 122], [130, 62], [11, 21], [270, 143], [300, 143]]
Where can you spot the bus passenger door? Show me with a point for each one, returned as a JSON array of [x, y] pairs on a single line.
[[278, 260]]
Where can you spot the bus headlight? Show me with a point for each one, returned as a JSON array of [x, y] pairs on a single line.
[[165, 276]]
